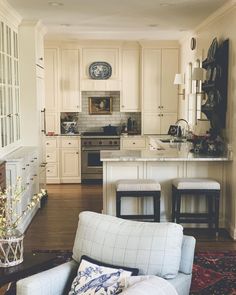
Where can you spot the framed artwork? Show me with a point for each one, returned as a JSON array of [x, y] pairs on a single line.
[[100, 105]]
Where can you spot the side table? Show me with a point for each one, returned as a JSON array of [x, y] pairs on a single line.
[[32, 264]]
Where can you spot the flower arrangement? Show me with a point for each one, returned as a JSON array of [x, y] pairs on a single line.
[[9, 198]]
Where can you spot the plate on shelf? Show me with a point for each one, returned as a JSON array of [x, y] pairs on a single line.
[[100, 70]]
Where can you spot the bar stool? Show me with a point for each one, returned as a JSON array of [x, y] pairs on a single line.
[[139, 188], [196, 186]]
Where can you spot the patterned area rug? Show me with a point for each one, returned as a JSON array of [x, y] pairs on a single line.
[[214, 273]]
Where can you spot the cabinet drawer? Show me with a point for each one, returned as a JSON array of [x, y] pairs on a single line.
[[69, 142], [51, 155], [134, 143], [51, 142], [52, 170]]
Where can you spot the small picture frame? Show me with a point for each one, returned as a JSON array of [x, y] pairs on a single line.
[[100, 105]]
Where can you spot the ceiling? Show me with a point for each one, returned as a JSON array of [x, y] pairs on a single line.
[[117, 19]]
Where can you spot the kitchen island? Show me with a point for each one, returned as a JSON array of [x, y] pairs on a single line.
[[163, 162]]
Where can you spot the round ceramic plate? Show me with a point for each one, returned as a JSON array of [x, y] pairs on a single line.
[[100, 70]]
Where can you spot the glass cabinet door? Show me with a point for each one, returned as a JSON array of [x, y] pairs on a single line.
[[9, 86]]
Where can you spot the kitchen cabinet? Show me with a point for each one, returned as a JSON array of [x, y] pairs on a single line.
[[130, 93], [24, 163], [9, 83], [70, 155], [70, 81], [133, 142], [51, 90], [160, 99], [52, 159], [109, 54], [63, 159]]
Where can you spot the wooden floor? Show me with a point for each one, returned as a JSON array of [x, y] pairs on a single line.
[[54, 226]]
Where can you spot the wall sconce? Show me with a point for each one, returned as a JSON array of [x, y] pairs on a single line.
[[179, 80], [198, 75]]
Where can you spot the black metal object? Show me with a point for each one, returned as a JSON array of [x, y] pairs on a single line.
[[216, 85]]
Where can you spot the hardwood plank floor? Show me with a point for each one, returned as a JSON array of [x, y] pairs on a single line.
[[54, 226]]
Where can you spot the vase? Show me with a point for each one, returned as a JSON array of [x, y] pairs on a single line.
[[11, 247]]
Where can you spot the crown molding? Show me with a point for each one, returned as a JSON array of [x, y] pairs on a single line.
[[35, 23], [227, 8], [8, 13]]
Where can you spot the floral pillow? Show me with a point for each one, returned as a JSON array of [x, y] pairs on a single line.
[[98, 278]]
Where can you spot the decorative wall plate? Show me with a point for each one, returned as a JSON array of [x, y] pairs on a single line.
[[100, 70]]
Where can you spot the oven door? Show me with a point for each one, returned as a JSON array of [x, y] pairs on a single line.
[[91, 166]]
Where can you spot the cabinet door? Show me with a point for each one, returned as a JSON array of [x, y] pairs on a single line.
[[70, 96], [52, 122], [151, 80], [51, 79], [151, 123], [130, 100], [169, 92], [70, 163]]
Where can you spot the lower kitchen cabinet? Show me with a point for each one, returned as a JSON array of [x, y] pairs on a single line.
[[70, 166], [63, 159], [133, 142], [24, 163]]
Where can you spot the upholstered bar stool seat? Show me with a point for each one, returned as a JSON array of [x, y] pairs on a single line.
[[195, 187], [139, 188]]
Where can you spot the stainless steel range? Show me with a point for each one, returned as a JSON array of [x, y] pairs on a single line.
[[91, 145]]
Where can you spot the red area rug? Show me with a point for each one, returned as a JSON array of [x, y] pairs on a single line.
[[214, 273]]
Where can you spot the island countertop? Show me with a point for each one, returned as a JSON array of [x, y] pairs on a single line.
[[167, 152]]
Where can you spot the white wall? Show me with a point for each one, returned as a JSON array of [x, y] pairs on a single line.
[[223, 26]]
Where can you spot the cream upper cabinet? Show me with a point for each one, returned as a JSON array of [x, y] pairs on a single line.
[[151, 80], [110, 55], [169, 93], [130, 93], [51, 79], [70, 81], [9, 85], [51, 56], [159, 94]]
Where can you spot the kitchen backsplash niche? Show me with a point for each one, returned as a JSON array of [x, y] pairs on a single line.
[[116, 118]]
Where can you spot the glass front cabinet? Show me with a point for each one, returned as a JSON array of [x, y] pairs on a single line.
[[9, 87]]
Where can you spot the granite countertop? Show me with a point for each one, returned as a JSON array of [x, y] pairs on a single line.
[[159, 151]]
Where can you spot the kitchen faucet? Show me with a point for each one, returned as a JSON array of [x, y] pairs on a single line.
[[185, 131]]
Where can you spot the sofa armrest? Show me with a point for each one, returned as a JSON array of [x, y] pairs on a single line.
[[187, 254], [50, 282]]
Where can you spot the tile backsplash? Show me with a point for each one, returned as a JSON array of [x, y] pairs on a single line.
[[87, 122]]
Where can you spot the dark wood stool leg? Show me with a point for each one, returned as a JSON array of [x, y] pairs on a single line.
[[217, 209], [178, 206], [118, 203], [211, 213], [173, 204], [156, 206]]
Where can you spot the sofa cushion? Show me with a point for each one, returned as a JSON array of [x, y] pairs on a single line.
[[151, 285], [93, 278], [153, 248]]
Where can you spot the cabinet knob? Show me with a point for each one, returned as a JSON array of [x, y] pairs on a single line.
[[41, 58], [122, 106], [133, 142], [77, 153], [48, 156], [159, 107], [69, 142]]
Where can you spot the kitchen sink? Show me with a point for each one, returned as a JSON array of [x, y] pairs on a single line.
[[176, 140]]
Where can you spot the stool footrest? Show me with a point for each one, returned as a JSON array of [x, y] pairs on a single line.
[[137, 216]]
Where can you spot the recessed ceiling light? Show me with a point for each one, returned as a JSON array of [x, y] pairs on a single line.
[[166, 4], [153, 25], [54, 3]]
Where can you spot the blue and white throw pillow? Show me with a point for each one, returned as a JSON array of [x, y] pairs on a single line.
[[97, 278]]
